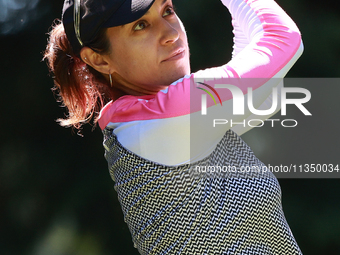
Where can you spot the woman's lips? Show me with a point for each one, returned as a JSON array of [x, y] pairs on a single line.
[[178, 54]]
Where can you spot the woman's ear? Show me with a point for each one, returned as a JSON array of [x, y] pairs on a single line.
[[99, 62]]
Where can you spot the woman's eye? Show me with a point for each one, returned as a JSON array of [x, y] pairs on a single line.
[[168, 11], [140, 26]]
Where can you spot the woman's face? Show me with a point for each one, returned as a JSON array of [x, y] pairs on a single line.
[[152, 51]]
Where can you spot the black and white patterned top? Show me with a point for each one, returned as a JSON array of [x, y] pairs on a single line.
[[187, 209]]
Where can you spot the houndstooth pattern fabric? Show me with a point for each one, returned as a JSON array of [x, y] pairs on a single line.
[[181, 210]]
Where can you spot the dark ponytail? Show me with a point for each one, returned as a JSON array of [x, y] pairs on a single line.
[[81, 89]]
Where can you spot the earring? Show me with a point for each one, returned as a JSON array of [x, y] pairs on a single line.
[[110, 79]]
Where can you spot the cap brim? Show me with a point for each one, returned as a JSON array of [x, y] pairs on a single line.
[[130, 11]]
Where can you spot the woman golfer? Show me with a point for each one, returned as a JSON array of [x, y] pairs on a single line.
[[133, 57]]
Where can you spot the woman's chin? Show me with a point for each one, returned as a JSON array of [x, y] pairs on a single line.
[[178, 75]]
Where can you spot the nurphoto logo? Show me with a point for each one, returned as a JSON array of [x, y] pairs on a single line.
[[239, 104]]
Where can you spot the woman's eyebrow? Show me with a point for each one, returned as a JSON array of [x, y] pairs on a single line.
[[163, 3]]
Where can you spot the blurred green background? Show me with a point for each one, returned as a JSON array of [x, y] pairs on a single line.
[[56, 195]]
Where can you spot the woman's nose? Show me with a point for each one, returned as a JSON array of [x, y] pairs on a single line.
[[170, 33]]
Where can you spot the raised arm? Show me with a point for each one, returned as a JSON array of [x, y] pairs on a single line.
[[266, 45], [241, 40]]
